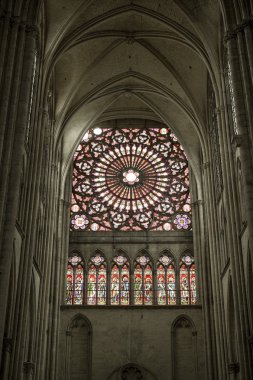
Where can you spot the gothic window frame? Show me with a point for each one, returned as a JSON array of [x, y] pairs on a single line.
[[119, 260], [105, 198], [143, 261], [183, 321], [78, 319], [165, 264], [190, 291], [74, 266], [98, 263], [143, 266]]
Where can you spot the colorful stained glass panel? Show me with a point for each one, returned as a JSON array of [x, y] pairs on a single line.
[[161, 285], [184, 285], [92, 286], [148, 285], [138, 289], [171, 283], [102, 285], [193, 284], [142, 170], [78, 292], [69, 285], [125, 285], [115, 284]]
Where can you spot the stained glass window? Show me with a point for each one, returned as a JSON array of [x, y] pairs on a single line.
[[120, 281], [188, 293], [75, 281], [166, 281], [97, 281], [130, 179], [120, 284], [143, 281]]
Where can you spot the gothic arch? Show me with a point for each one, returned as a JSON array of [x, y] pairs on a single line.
[[184, 344], [78, 360], [132, 371], [168, 252]]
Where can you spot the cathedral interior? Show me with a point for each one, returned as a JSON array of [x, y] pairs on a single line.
[[126, 189]]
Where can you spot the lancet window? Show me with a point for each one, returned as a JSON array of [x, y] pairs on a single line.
[[188, 293], [97, 281], [143, 281], [75, 281], [120, 281], [160, 284], [166, 281]]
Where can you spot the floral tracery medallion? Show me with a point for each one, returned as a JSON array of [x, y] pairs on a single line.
[[130, 180]]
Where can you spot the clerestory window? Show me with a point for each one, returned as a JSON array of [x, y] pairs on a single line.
[[165, 283]]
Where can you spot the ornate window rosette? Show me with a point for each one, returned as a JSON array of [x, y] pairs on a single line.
[[130, 179]]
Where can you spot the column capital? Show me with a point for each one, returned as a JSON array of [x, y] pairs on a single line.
[[205, 165], [251, 341], [247, 23], [43, 111], [238, 140], [197, 203], [230, 35], [218, 110], [65, 203], [28, 367], [32, 30], [7, 344], [233, 367]]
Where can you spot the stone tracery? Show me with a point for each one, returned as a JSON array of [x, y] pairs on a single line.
[[130, 179]]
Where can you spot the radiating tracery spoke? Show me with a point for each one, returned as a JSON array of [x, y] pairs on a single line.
[[130, 179]]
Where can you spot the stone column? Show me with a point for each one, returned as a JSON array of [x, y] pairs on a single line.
[[242, 125], [7, 351], [204, 269], [247, 27], [243, 120], [16, 167]]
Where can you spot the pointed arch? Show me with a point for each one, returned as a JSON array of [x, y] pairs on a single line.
[[143, 279], [187, 279], [78, 345], [184, 348], [166, 279], [97, 279], [120, 279], [75, 279]]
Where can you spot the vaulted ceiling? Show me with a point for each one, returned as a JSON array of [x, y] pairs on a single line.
[[147, 59]]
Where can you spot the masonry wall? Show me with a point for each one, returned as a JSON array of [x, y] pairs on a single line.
[[132, 334]]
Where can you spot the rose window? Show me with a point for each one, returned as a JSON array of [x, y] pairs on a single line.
[[130, 180]]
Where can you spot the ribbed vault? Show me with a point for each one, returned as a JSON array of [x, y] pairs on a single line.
[[132, 59]]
